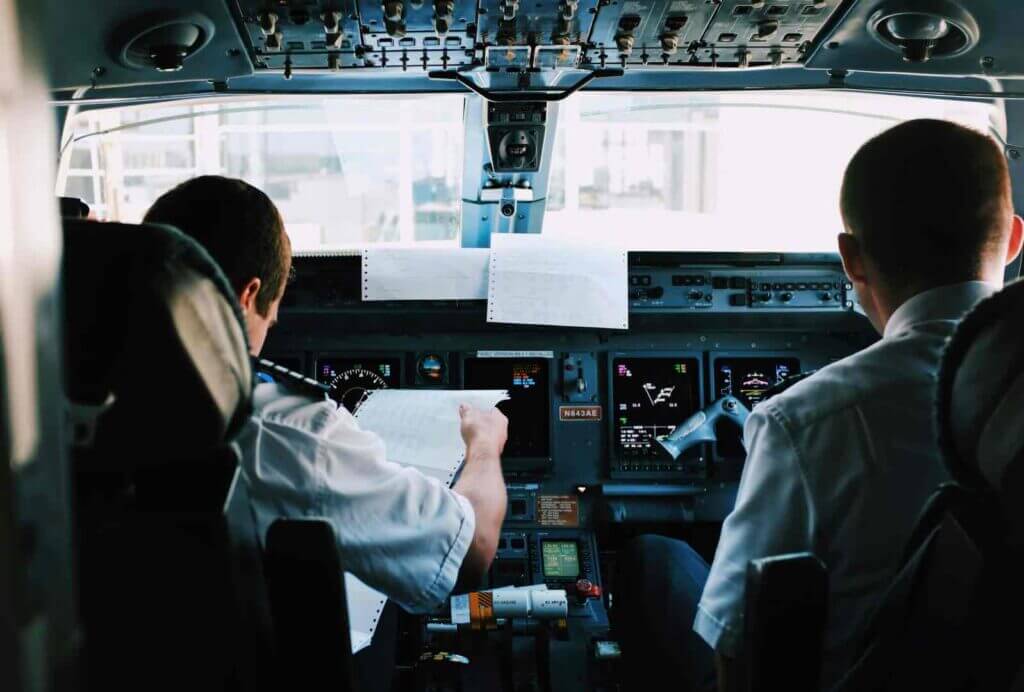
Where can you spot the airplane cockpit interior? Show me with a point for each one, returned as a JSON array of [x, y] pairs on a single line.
[[615, 221]]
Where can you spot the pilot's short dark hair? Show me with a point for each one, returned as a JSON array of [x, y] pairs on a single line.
[[237, 224], [929, 201]]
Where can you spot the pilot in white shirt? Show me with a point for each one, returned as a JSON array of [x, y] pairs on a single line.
[[838, 467], [404, 534], [841, 463], [400, 532]]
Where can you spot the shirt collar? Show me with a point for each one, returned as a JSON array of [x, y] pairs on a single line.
[[950, 302]]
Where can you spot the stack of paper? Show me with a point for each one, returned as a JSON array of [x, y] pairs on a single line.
[[526, 279], [534, 280], [425, 274], [420, 428]]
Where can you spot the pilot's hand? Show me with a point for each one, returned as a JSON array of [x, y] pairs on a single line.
[[484, 431]]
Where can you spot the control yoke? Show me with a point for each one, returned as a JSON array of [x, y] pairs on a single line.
[[700, 427]]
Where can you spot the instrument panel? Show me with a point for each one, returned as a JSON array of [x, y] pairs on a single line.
[[646, 393], [583, 468], [587, 406]]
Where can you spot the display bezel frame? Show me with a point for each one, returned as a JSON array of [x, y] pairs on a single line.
[[580, 572], [526, 466], [613, 448], [715, 356]]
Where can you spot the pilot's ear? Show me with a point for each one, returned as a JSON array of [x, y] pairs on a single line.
[[853, 257], [248, 295], [1016, 239]]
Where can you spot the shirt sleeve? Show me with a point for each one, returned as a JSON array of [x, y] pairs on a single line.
[[773, 516], [400, 532]]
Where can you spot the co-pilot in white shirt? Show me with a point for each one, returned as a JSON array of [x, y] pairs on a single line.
[[398, 531], [840, 465]]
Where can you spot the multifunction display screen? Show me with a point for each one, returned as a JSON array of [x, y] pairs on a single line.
[[351, 378], [651, 397], [529, 405], [560, 559]]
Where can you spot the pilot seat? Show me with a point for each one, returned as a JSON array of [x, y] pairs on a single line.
[[947, 620]]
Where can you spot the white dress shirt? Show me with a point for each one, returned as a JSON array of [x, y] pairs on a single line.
[[840, 465], [398, 531]]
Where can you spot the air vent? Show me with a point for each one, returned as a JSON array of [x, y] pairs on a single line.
[[921, 31], [162, 41]]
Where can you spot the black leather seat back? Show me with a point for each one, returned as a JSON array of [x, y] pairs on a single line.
[[942, 624], [306, 584], [154, 331], [980, 404], [784, 618], [158, 382]]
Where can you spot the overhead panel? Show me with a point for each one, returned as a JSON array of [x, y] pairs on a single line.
[[758, 33], [649, 31], [440, 31], [304, 34], [523, 35], [531, 23]]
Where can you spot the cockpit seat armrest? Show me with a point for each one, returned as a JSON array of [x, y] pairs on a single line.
[[306, 587], [786, 603]]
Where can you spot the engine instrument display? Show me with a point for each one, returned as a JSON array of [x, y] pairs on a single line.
[[529, 405], [748, 379], [351, 378], [651, 396]]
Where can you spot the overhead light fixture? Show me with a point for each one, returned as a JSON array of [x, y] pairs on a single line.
[[162, 41], [923, 30]]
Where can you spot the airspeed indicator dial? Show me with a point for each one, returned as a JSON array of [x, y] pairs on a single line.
[[350, 386]]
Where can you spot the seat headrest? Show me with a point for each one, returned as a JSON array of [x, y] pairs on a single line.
[[152, 329], [980, 400], [73, 208]]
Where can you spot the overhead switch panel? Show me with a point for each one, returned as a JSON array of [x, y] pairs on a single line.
[[527, 34]]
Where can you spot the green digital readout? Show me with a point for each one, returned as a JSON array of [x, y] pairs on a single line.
[[561, 559]]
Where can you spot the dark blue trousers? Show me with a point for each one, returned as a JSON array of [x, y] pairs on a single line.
[[658, 584]]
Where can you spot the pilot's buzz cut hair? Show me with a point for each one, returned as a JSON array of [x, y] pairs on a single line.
[[238, 225], [929, 201]]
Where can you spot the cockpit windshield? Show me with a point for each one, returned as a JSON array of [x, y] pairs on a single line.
[[345, 172], [733, 171], [720, 172]]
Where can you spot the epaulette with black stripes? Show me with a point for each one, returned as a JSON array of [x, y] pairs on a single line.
[[269, 371]]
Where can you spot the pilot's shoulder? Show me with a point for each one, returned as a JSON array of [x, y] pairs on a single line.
[[286, 398], [268, 372], [838, 387]]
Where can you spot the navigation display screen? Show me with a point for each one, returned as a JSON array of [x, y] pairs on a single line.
[[560, 559], [651, 397], [747, 379], [528, 408], [351, 378]]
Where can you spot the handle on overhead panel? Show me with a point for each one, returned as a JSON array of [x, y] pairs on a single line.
[[505, 96]]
